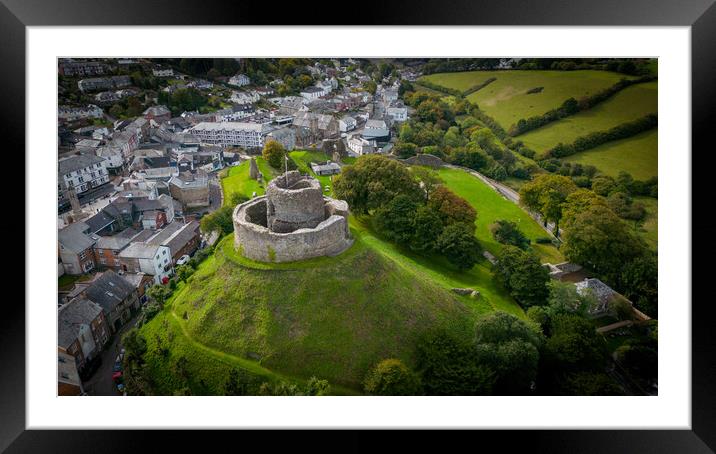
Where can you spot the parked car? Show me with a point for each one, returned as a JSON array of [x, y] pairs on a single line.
[[117, 367], [183, 259]]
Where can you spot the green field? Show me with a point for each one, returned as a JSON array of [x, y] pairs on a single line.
[[506, 99], [303, 160], [629, 104], [238, 181], [491, 207], [637, 155]]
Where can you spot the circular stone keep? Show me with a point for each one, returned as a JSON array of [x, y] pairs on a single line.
[[294, 202], [293, 221]]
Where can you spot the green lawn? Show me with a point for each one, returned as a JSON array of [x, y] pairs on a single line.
[[303, 160], [436, 269], [637, 155], [238, 181], [506, 99], [490, 207], [208, 367], [627, 105], [334, 319]]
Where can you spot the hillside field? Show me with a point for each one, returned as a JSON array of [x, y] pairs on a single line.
[[637, 155], [629, 104], [506, 99], [491, 207]]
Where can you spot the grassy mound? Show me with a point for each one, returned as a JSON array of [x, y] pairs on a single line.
[[331, 317]]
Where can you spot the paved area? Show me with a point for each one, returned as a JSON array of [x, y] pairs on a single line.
[[100, 383], [215, 196]]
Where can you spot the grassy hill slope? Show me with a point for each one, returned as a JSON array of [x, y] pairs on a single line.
[[330, 317], [627, 105]]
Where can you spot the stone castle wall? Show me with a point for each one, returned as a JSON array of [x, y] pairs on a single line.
[[254, 240], [294, 202]]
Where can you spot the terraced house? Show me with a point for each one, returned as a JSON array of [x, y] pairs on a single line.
[[82, 173], [82, 330]]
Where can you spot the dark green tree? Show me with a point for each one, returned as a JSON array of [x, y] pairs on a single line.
[[458, 244], [391, 377]]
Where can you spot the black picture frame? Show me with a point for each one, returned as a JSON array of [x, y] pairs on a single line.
[[700, 15]]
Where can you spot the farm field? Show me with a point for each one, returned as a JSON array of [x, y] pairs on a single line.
[[637, 155], [490, 207], [627, 105], [506, 99]]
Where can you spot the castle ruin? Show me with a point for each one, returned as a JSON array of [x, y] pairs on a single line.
[[293, 221]]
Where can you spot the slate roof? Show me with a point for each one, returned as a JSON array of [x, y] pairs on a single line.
[[74, 239], [175, 236], [601, 291], [67, 165], [157, 111], [71, 316], [139, 250], [109, 290], [99, 221], [118, 241]]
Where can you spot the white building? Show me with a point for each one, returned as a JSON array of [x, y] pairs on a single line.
[[376, 129], [82, 172], [230, 133], [314, 92], [243, 97], [360, 146], [397, 113], [240, 80], [152, 259], [390, 95], [77, 113], [346, 124], [163, 72]]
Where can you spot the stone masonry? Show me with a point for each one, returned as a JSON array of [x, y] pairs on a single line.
[[293, 221]]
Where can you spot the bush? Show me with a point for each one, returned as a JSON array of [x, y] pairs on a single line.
[[448, 366], [274, 153], [451, 207], [458, 244], [391, 377], [507, 232]]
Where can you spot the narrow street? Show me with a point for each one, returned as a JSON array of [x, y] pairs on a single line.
[[100, 383]]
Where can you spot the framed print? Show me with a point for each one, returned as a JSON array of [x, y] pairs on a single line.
[[458, 220]]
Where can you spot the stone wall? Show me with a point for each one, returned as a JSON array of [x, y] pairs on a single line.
[[424, 159], [190, 197], [256, 242], [294, 202]]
